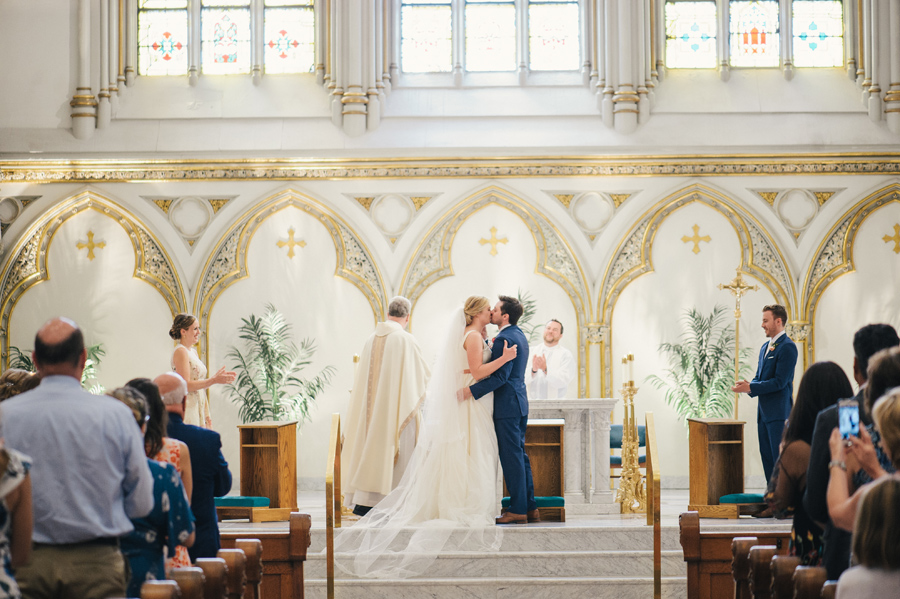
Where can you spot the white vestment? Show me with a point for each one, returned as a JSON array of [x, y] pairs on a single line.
[[560, 372], [381, 425], [447, 498]]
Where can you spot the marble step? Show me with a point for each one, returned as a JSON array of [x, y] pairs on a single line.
[[499, 588], [513, 564], [554, 537]]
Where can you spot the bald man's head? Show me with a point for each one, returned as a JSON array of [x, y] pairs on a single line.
[[172, 390], [59, 348]]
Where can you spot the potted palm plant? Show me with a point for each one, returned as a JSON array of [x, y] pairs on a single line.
[[268, 384], [700, 375], [21, 359]]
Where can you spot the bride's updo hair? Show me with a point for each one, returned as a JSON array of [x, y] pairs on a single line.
[[182, 321], [474, 306]]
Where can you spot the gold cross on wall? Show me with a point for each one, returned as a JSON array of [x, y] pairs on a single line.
[[90, 245], [290, 243], [895, 239], [696, 239], [493, 241]]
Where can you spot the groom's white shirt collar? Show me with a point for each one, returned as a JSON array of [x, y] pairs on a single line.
[[503, 327], [775, 338]]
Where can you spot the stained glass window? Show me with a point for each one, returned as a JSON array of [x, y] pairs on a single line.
[[490, 35], [426, 36], [691, 35], [755, 32], [162, 37], [553, 36], [818, 33], [290, 37], [225, 37]]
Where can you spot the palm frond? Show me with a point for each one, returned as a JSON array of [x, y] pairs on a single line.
[[20, 359], [268, 384], [697, 383]]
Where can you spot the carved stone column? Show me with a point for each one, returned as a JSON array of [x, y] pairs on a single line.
[[130, 17], [850, 35], [787, 38], [723, 46], [83, 103], [594, 336], [104, 110], [875, 104], [892, 99], [608, 51], [799, 332], [625, 100]]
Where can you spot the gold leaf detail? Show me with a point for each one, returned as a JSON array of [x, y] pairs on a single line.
[[164, 205], [768, 196], [618, 198], [565, 198], [418, 202], [365, 202], [217, 205], [823, 196], [191, 242]]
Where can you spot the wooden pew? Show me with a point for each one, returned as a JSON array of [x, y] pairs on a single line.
[[190, 581], [808, 582], [160, 589], [252, 548], [216, 572], [708, 556], [783, 567], [285, 553], [829, 589], [740, 565], [236, 574], [761, 570]]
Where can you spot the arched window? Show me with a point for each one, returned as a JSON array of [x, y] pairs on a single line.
[[691, 35], [755, 33], [228, 36], [484, 36]]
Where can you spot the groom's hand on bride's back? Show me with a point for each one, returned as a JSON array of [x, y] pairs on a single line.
[[509, 353], [464, 394]]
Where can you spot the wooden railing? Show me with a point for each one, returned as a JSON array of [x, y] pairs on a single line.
[[653, 501], [332, 499]]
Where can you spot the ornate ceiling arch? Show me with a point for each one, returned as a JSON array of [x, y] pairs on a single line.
[[555, 259], [27, 266], [633, 258], [834, 257], [227, 263]]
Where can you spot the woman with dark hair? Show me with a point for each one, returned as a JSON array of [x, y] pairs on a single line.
[[166, 450], [169, 524], [822, 385]]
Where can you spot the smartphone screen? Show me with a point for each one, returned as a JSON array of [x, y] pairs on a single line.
[[848, 418]]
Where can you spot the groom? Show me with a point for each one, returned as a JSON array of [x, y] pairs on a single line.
[[510, 412]]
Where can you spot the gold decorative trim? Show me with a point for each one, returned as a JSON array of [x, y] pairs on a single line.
[[619, 198], [834, 256], [494, 240], [696, 239], [27, 266], [365, 202], [419, 201], [823, 196], [164, 205], [430, 262], [290, 243], [90, 246], [227, 263], [217, 204], [895, 239], [768, 196], [633, 258], [564, 198], [73, 171]]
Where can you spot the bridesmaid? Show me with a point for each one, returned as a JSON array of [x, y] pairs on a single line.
[[185, 361]]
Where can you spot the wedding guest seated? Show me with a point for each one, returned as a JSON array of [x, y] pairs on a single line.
[[167, 450], [15, 380], [875, 546], [823, 384], [168, 525], [210, 470], [89, 474], [842, 506], [15, 517]]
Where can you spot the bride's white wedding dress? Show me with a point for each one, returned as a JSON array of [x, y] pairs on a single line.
[[447, 498]]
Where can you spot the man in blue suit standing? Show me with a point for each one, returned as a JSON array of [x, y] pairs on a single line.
[[510, 412], [209, 469], [773, 384]]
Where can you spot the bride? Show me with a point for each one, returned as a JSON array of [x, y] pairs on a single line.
[[447, 498]]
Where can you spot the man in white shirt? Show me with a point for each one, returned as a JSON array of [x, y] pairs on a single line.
[[552, 366]]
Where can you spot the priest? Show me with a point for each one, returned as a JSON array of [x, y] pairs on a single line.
[[552, 365], [382, 420]]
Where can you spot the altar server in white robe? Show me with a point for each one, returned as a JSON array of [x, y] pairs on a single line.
[[382, 420], [552, 365]]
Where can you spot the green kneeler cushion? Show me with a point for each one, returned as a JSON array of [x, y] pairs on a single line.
[[741, 498], [241, 501], [541, 502]]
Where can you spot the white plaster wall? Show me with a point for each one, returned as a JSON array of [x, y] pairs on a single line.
[[128, 316]]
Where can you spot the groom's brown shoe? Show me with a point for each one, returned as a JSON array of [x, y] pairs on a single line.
[[534, 515], [511, 518]]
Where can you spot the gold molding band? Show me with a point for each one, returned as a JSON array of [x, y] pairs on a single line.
[[86, 171]]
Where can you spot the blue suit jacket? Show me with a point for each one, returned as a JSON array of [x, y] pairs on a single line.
[[211, 479], [774, 380], [508, 381]]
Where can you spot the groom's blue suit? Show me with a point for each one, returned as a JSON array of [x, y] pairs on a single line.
[[511, 418]]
